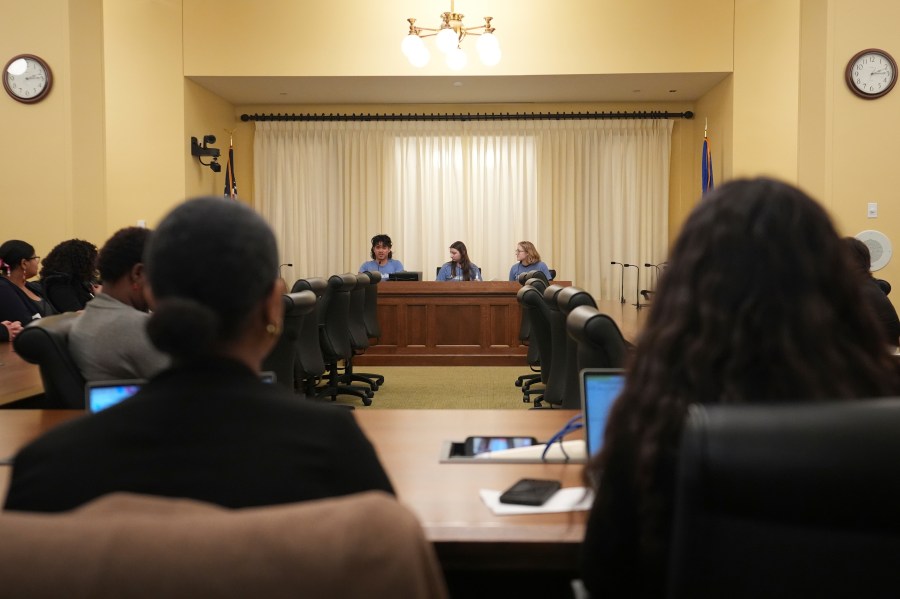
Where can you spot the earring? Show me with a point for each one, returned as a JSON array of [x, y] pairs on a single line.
[[273, 329]]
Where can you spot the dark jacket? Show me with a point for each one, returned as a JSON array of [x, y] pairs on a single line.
[[16, 306], [65, 293], [884, 311], [212, 432]]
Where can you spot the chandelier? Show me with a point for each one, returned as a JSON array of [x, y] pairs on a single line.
[[449, 37]]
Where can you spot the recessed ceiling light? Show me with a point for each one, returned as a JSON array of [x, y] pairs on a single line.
[[672, 91], [457, 84], [282, 93], [635, 91]]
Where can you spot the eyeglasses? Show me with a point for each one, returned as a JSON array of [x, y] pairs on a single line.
[[521, 252], [35, 258]]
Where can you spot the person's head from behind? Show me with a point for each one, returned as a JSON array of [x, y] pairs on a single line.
[[758, 301], [381, 248], [212, 269], [121, 266], [858, 254], [17, 259], [526, 253], [74, 257]]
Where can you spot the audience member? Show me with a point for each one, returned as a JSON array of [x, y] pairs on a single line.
[[460, 268], [20, 300], [759, 304], [109, 340], [873, 294], [382, 257], [528, 259], [207, 428], [68, 275]]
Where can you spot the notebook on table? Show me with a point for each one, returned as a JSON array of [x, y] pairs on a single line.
[[599, 389]]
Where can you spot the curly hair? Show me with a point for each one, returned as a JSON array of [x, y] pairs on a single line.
[[384, 240], [759, 304], [121, 252], [464, 262], [74, 257]]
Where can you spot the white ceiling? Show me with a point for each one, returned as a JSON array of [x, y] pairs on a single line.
[[666, 87]]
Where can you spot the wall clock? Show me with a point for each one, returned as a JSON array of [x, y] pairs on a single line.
[[27, 78], [871, 73]]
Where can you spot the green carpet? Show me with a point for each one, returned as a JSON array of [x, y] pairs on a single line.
[[430, 387]]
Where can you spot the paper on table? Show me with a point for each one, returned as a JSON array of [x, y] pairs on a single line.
[[570, 499]]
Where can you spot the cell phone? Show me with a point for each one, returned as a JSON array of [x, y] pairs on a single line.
[[476, 445], [530, 491]]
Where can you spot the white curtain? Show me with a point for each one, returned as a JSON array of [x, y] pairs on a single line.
[[586, 192]]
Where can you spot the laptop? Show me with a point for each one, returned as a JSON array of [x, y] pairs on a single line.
[[599, 389], [100, 395]]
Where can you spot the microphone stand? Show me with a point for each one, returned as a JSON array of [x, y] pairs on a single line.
[[621, 282], [281, 265], [637, 284]]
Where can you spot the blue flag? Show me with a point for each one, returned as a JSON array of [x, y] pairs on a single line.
[[230, 182], [706, 168]]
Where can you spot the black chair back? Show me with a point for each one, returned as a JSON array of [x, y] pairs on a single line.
[[599, 341], [531, 299], [45, 342], [373, 328], [556, 385], [790, 500], [334, 318], [282, 359], [308, 361], [359, 336], [568, 299]]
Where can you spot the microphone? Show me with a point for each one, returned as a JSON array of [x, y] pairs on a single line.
[[621, 282], [285, 264], [637, 283]]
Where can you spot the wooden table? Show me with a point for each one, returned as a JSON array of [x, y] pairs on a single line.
[[18, 378], [466, 534]]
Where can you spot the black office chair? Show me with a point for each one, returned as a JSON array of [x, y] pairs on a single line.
[[599, 341], [552, 273], [373, 327], [531, 299], [309, 365], [568, 299], [359, 334], [282, 359], [556, 384], [45, 342], [334, 337], [790, 500], [536, 279]]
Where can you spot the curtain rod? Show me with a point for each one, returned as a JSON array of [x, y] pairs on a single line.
[[526, 116]]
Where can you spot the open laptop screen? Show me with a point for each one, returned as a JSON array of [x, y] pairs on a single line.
[[103, 394], [599, 389]]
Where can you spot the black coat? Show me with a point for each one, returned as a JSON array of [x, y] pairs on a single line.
[[211, 432]]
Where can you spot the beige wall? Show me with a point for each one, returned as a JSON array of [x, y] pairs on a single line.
[[350, 37]]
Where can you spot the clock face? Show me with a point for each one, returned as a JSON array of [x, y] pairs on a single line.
[[27, 78], [871, 73]]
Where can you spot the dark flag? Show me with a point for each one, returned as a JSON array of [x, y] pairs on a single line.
[[706, 167], [230, 182]]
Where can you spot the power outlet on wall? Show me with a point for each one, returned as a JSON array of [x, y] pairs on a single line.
[[872, 210]]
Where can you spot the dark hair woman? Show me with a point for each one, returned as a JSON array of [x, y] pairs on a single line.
[[69, 275], [207, 428], [20, 300], [759, 304], [459, 268], [874, 296]]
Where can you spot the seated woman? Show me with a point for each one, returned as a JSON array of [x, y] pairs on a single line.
[[382, 257], [68, 274], [20, 300], [528, 259], [759, 304], [109, 341], [207, 428], [873, 295], [460, 268]]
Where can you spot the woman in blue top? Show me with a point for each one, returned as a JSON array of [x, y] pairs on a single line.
[[382, 257], [528, 260], [459, 268]]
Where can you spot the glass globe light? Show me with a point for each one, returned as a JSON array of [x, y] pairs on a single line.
[[411, 45], [490, 57], [487, 41], [420, 58], [17, 67], [456, 59], [447, 40]]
